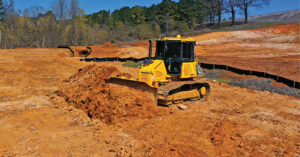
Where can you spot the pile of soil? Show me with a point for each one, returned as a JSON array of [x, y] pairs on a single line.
[[80, 51], [111, 103]]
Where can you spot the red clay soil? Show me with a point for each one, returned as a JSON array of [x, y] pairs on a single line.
[[286, 65], [106, 50], [34, 122], [137, 44], [282, 29], [88, 91], [136, 50], [233, 122], [140, 43]]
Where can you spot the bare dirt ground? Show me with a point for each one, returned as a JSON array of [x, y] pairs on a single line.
[[36, 122]]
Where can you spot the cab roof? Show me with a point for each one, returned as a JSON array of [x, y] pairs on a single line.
[[178, 38]]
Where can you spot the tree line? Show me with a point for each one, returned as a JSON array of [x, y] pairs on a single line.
[[65, 23]]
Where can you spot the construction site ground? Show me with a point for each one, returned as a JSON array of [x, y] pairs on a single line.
[[52, 104]]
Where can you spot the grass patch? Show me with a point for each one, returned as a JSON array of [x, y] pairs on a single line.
[[131, 64], [220, 80]]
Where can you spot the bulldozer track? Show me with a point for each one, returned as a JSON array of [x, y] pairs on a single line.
[[188, 90]]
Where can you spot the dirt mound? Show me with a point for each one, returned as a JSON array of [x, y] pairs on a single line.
[[109, 45], [88, 91], [80, 51]]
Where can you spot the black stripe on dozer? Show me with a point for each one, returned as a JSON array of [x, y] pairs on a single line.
[[286, 81]]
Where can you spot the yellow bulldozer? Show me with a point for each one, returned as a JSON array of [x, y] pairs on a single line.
[[171, 74]]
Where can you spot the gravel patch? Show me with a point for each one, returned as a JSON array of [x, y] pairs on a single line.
[[265, 85]]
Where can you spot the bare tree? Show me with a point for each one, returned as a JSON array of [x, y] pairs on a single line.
[[244, 5], [33, 11], [219, 8], [74, 8], [32, 26], [210, 5], [74, 13], [46, 25], [215, 8], [8, 8], [60, 10], [230, 8]]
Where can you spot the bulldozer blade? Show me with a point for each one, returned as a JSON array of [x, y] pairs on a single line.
[[136, 85]]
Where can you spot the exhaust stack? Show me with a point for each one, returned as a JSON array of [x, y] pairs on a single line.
[[150, 49]]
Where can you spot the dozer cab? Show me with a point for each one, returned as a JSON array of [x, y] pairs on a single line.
[[170, 74]]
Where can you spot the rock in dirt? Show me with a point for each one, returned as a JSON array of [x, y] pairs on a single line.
[[182, 107]]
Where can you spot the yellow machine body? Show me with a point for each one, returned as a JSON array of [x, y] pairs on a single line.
[[170, 74], [155, 74]]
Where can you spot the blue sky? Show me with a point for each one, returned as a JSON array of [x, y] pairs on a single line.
[[91, 6]]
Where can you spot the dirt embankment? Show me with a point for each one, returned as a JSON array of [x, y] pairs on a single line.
[[286, 33], [282, 29], [88, 91], [274, 50]]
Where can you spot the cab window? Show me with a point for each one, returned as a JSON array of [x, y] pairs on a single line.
[[187, 50]]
